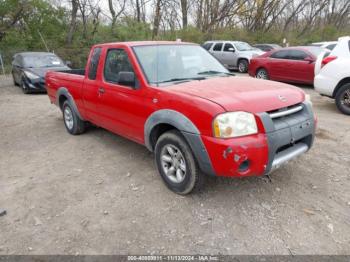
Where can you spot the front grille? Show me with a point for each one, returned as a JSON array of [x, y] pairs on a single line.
[[286, 111]]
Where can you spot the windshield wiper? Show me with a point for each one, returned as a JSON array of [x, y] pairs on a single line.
[[181, 79], [213, 72]]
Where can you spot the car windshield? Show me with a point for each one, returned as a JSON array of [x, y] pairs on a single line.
[[40, 60], [176, 63], [242, 46]]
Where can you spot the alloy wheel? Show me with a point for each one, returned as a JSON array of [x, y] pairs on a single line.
[[68, 117], [173, 163]]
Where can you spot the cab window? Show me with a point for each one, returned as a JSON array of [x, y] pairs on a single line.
[[117, 61], [95, 58]]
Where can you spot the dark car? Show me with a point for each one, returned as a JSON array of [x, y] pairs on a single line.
[[266, 47], [29, 69]]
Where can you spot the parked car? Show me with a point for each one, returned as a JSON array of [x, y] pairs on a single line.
[[183, 105], [292, 64], [333, 74], [327, 45], [233, 54], [267, 47], [29, 69]]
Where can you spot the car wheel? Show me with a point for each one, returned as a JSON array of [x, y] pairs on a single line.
[[262, 74], [72, 122], [25, 88], [243, 66], [176, 163], [342, 99], [14, 80]]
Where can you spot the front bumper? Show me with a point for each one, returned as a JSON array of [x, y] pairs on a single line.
[[35, 85], [284, 139]]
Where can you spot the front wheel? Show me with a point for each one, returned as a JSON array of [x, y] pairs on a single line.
[[243, 66], [176, 163], [73, 123], [342, 99], [25, 88], [262, 74]]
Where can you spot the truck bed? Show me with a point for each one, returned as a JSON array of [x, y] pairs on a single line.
[[72, 80]]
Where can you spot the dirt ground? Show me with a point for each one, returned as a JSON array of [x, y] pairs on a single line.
[[99, 193]]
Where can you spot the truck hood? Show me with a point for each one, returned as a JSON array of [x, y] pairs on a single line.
[[242, 93]]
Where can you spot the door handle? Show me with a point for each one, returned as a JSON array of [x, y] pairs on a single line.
[[101, 90]]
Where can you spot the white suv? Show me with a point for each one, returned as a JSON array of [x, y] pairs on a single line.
[[332, 74]]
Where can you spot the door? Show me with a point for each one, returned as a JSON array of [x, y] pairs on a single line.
[[302, 66], [278, 65], [17, 68], [90, 88], [228, 55], [122, 108]]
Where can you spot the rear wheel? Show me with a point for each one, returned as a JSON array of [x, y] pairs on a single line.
[[262, 74], [243, 66], [342, 99], [14, 80], [73, 123], [176, 163]]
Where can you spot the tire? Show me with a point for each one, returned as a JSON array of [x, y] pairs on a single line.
[[243, 66], [72, 122], [262, 73], [178, 157], [14, 81], [342, 99], [24, 87]]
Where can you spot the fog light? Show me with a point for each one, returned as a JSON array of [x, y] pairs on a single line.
[[244, 166]]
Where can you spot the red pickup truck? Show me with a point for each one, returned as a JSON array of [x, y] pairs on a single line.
[[183, 105]]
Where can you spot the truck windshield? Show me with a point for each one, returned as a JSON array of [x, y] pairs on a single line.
[[177, 63]]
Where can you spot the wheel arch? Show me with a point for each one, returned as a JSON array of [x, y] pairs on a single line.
[[164, 120], [342, 82], [63, 95]]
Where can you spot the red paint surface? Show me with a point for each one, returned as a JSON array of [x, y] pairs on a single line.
[[124, 111]]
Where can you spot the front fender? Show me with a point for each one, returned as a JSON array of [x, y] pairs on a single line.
[[188, 130]]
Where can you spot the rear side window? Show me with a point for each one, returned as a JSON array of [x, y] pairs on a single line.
[[117, 60], [283, 54], [217, 47], [207, 46], [297, 55], [95, 58]]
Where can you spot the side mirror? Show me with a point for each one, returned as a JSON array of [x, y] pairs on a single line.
[[231, 50], [68, 63], [127, 79]]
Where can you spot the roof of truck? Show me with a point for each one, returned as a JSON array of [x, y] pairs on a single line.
[[141, 43]]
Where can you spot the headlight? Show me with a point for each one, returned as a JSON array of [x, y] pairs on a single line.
[[31, 75], [234, 124], [308, 98]]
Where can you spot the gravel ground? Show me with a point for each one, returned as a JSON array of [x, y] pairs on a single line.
[[99, 193]]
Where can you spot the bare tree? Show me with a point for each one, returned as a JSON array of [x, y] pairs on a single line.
[[115, 14], [157, 19], [72, 25]]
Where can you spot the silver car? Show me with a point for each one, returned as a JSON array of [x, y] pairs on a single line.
[[233, 54]]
